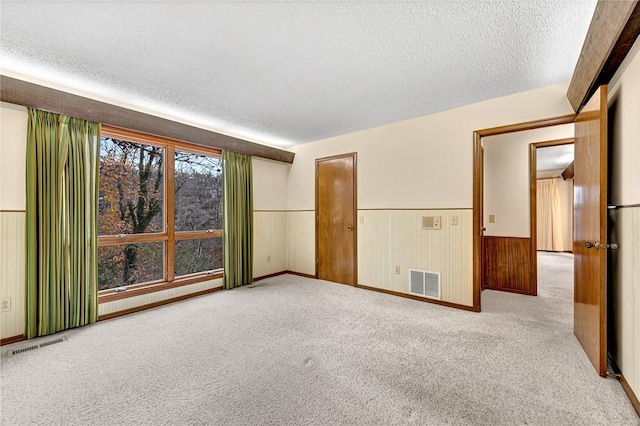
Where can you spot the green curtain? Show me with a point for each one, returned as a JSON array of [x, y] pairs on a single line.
[[238, 219], [62, 223]]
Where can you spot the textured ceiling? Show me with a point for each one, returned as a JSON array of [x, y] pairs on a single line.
[[289, 72], [554, 157]]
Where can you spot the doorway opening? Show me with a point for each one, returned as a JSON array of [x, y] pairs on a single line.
[[527, 252], [551, 196], [551, 169]]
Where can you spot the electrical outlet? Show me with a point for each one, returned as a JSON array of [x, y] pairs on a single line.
[[454, 220], [492, 218], [5, 305], [397, 270], [361, 219]]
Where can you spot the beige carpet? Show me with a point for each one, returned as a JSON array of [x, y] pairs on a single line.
[[294, 351]]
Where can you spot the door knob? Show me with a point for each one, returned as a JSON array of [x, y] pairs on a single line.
[[349, 227], [589, 245]]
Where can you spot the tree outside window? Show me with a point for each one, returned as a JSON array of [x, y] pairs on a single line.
[[160, 210]]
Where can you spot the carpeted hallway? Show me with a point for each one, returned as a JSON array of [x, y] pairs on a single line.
[[294, 351]]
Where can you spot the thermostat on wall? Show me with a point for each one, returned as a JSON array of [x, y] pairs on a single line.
[[431, 222]]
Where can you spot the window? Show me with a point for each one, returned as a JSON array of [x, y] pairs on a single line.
[[159, 212]]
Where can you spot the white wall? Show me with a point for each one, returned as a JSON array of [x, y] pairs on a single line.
[[281, 238], [506, 179], [269, 184], [624, 121], [425, 162], [13, 142], [269, 217], [418, 165]]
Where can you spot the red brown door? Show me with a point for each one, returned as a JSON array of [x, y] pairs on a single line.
[[336, 219], [590, 230]]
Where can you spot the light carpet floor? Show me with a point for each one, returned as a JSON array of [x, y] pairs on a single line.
[[295, 351]]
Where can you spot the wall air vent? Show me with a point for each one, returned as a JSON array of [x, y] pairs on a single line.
[[424, 283]]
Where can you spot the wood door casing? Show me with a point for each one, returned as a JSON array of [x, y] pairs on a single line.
[[478, 188], [336, 227], [590, 226], [482, 228]]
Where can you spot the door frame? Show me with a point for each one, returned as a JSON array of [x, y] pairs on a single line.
[[533, 195], [354, 157], [478, 195]]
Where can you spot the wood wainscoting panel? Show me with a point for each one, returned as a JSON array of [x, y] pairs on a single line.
[[12, 265], [507, 264], [262, 242], [390, 242], [624, 339], [269, 242], [301, 242], [131, 304]]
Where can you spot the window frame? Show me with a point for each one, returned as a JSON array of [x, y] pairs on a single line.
[[169, 235]]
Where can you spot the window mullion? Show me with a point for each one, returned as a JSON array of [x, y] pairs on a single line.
[[176, 244], [191, 235], [170, 213]]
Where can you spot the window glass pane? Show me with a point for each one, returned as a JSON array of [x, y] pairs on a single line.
[[198, 255], [198, 192], [131, 188], [128, 264]]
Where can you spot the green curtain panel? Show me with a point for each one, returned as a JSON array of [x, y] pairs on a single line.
[[62, 222], [238, 219]]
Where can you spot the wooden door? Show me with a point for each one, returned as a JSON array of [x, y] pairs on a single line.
[[590, 229], [336, 219]]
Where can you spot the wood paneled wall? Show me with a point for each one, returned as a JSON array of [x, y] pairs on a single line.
[[507, 264], [269, 242], [284, 241], [131, 303], [12, 258], [625, 294], [390, 238], [301, 241]]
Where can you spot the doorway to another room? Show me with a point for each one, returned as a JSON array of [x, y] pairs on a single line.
[[551, 168], [508, 229]]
